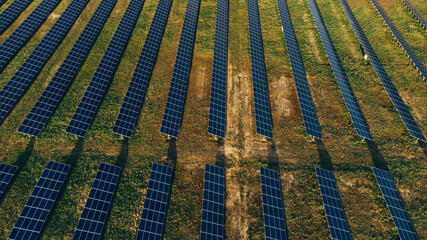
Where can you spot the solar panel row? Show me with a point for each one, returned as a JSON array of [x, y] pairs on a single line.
[[135, 94], [6, 174], [218, 101], [311, 122], [44, 107], [91, 100], [416, 13], [398, 103], [335, 215], [36, 210], [11, 13], [155, 204], [272, 203], [259, 78], [28, 71], [350, 100], [20, 36], [401, 40], [174, 108]]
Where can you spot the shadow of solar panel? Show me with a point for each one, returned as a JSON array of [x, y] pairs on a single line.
[[155, 204], [20, 36], [401, 40], [135, 94], [98, 203], [11, 13], [391, 90], [6, 174], [395, 205], [272, 204], [174, 108], [40, 202], [85, 112], [416, 13], [212, 226], [259, 79], [311, 122], [55, 90], [29, 70], [218, 101], [350, 100], [335, 215]]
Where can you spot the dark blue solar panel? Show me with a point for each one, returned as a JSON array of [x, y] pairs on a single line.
[[395, 205], [11, 13], [178, 87], [259, 78], [29, 70], [20, 36], [44, 107], [98, 203], [272, 204], [218, 102], [6, 174], [350, 100], [135, 94], [311, 122], [212, 226], [155, 204], [337, 221], [416, 14], [91, 100], [38, 206], [398, 103], [401, 40]]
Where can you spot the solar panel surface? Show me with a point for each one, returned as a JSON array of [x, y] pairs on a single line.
[[40, 202], [335, 215], [135, 94], [259, 79], [85, 112], [350, 100], [212, 226], [98, 203], [55, 90], [311, 122], [272, 203], [416, 13], [395, 205], [401, 40], [174, 108], [391, 90], [29, 70], [6, 174], [155, 204], [11, 13], [218, 101]]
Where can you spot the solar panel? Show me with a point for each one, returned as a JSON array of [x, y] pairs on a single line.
[[335, 215], [91, 100], [98, 203], [350, 100], [20, 36], [135, 94], [6, 174], [395, 205], [398, 103], [218, 101], [272, 203], [38, 206], [259, 78], [311, 122], [11, 13], [212, 226], [55, 90], [416, 14], [178, 87], [155, 204], [28, 71]]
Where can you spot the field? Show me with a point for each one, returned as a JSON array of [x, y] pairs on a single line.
[[242, 151]]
